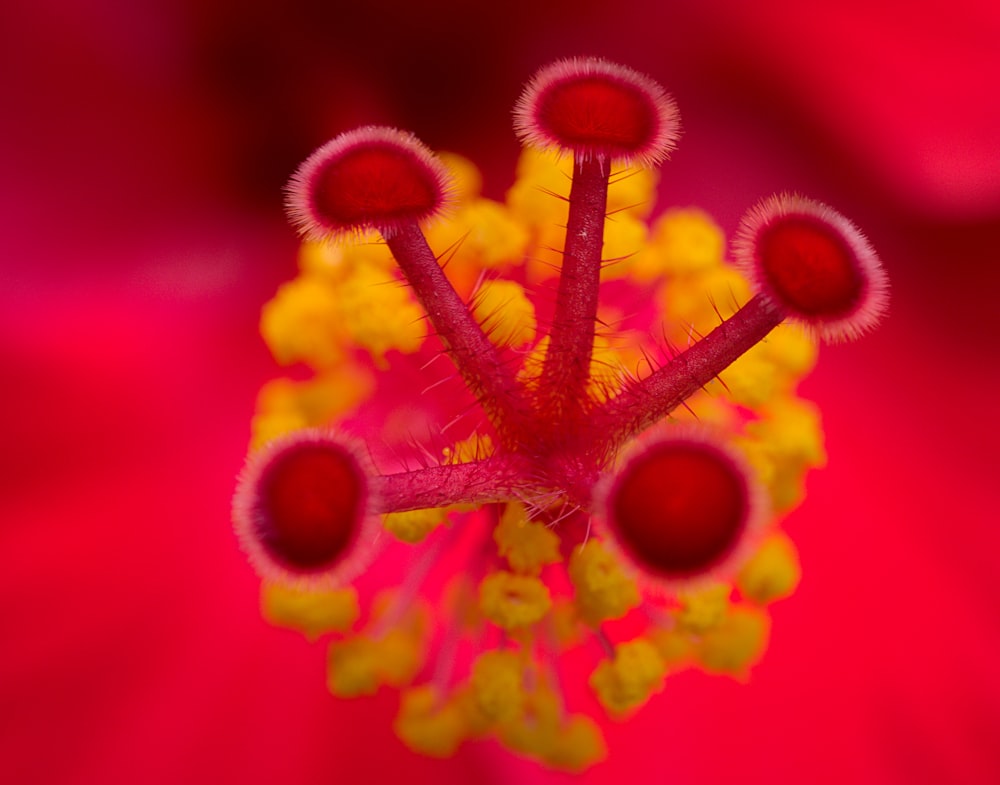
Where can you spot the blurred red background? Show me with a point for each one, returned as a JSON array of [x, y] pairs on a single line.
[[143, 147]]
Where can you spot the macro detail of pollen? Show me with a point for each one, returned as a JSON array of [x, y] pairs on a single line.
[[562, 427]]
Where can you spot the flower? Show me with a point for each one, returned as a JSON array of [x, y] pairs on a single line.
[[136, 259], [614, 493]]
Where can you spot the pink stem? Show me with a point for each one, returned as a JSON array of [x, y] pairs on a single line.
[[640, 405], [488, 379], [571, 341], [494, 479]]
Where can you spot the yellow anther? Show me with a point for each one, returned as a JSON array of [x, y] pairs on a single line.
[[399, 655], [352, 667], [497, 686], [616, 358], [379, 313], [770, 368], [466, 181], [527, 735], [480, 235], [494, 237], [783, 445], [513, 601], [526, 545], [751, 380], [790, 347], [696, 302], [703, 608], [311, 611], [576, 745], [675, 646], [534, 361], [629, 680], [505, 313], [542, 177], [328, 397], [414, 525], [709, 410], [335, 261], [284, 405], [267, 426], [737, 643], [631, 192], [772, 573], [544, 258], [790, 427], [603, 590], [429, 724], [323, 259], [684, 242], [532, 733], [318, 320], [389, 652], [624, 240], [303, 323], [475, 448]]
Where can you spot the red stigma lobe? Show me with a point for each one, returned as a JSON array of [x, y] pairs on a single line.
[[679, 508], [309, 506], [373, 185], [809, 267], [597, 112]]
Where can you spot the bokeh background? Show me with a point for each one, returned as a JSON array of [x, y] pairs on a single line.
[[143, 146]]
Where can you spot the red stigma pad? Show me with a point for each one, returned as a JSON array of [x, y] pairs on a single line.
[[309, 506], [679, 508], [810, 268], [597, 112], [374, 184]]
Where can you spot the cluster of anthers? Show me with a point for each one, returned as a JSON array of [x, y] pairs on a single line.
[[605, 493]]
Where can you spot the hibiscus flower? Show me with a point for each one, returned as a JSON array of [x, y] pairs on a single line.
[[143, 232]]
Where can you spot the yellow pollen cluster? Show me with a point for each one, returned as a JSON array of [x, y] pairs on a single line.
[[413, 526], [312, 612], [506, 314], [390, 652], [513, 601], [602, 588], [628, 679], [526, 545], [523, 597]]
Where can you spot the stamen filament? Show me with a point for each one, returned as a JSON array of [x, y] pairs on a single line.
[[409, 590]]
